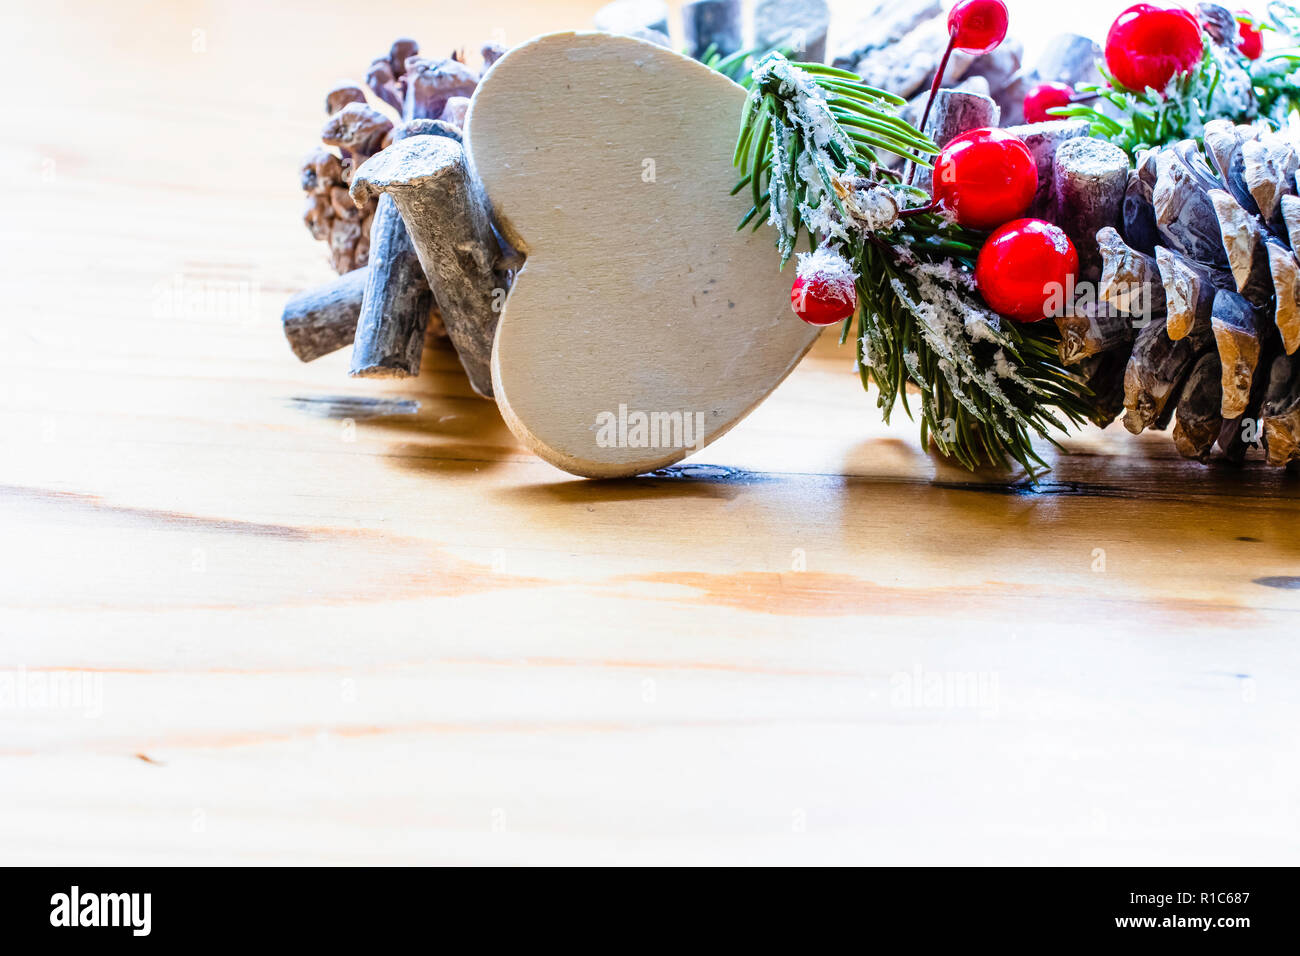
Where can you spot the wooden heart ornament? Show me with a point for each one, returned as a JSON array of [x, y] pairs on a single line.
[[643, 325]]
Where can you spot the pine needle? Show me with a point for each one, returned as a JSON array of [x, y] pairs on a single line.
[[987, 387]]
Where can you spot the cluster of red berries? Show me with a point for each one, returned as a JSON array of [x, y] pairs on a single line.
[[974, 26], [1147, 46], [987, 178]]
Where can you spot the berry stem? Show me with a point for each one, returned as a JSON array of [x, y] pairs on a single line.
[[938, 80]]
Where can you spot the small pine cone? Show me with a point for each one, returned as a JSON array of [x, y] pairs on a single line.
[[416, 88], [329, 213]]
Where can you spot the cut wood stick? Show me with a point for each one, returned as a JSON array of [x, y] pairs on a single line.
[[1237, 331], [324, 319], [450, 226], [1199, 419], [1286, 285], [1281, 411], [1244, 242], [1189, 292], [1069, 58], [712, 24], [801, 25], [1155, 371], [1130, 281], [1089, 180], [395, 311], [394, 314], [1043, 140], [878, 26], [1090, 330], [954, 112]]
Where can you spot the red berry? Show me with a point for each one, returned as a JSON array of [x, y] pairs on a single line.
[[1046, 96], [825, 290], [978, 26], [1023, 266], [1251, 44], [1148, 46], [985, 177]]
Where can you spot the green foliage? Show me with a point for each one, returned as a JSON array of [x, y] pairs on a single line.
[[809, 152], [1277, 85], [1140, 120], [736, 66], [1277, 75]]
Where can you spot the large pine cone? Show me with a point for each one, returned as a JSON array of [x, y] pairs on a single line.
[[1213, 233]]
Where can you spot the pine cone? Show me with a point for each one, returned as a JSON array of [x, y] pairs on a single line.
[[412, 86], [1215, 240]]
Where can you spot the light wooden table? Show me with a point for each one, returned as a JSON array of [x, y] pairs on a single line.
[[318, 620]]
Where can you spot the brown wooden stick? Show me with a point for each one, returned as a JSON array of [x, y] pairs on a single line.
[[1090, 179], [1199, 419], [712, 23], [1237, 329], [1043, 140], [450, 226], [395, 311], [324, 319], [954, 112]]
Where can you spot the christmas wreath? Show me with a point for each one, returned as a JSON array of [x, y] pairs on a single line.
[[958, 295], [1012, 251]]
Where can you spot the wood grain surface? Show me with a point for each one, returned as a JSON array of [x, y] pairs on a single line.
[[286, 616]]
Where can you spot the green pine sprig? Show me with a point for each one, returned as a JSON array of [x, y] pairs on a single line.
[[809, 149], [1144, 119]]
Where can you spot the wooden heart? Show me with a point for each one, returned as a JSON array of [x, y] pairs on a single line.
[[643, 325]]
